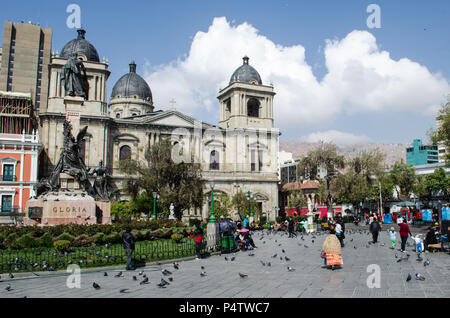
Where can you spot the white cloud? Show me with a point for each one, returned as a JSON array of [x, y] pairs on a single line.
[[336, 137], [361, 78]]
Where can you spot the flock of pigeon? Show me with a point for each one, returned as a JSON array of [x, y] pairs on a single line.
[[263, 236]]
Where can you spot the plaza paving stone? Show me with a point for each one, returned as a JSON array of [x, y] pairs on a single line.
[[309, 280]]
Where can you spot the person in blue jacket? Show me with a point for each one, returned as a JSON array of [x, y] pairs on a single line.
[[245, 224]]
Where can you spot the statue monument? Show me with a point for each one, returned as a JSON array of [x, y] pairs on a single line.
[[74, 79], [67, 195]]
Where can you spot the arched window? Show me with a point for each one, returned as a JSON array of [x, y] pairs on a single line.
[[253, 108], [125, 153], [214, 160], [118, 115]]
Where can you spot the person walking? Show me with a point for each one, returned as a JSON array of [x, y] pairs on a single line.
[[332, 250], [245, 224], [392, 237], [340, 230], [198, 238], [375, 228], [404, 231], [291, 228], [128, 245]]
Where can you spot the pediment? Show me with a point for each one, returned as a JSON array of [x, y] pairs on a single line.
[[174, 120]]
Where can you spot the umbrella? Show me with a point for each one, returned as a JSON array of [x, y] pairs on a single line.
[[244, 230]]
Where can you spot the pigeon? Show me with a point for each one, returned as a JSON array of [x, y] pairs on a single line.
[[283, 251], [243, 275], [226, 258], [273, 256], [105, 274], [11, 275], [281, 258], [268, 264], [263, 264], [8, 287], [419, 277], [287, 259], [306, 246], [134, 278], [233, 258], [396, 255], [312, 241], [351, 240], [419, 258], [399, 260], [251, 254], [145, 281], [176, 266], [123, 290], [118, 275], [96, 286], [203, 267], [290, 269], [354, 247], [383, 244], [166, 272], [170, 279], [202, 274], [426, 263], [141, 273]]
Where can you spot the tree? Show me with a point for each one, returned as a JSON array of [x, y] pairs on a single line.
[[297, 200], [432, 185], [222, 206], [124, 211], [177, 183], [356, 185], [403, 176], [240, 203], [442, 133], [324, 156]]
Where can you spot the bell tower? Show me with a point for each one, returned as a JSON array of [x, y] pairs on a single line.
[[246, 102]]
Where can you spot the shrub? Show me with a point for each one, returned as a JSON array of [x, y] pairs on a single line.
[[99, 238], [113, 238], [140, 236], [177, 237], [278, 219], [11, 238], [2, 237], [62, 245], [46, 240], [194, 222], [66, 237], [83, 241], [263, 220], [26, 241]]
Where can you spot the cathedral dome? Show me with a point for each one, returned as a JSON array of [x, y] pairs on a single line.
[[132, 85], [246, 74], [80, 46]]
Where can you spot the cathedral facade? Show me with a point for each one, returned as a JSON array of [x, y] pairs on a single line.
[[238, 154]]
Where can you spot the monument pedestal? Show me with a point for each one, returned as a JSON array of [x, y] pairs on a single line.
[[71, 205]]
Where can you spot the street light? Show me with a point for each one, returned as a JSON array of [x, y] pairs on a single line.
[[155, 195], [250, 197], [212, 219]]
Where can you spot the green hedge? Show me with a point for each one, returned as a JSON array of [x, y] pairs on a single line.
[[62, 245]]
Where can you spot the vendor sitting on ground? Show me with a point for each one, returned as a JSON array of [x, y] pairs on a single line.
[[430, 238]]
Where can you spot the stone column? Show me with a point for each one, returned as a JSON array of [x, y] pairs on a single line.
[[73, 110]]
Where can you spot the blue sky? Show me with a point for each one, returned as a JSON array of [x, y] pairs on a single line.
[[159, 36]]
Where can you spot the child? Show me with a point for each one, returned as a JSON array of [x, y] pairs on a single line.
[[392, 236], [419, 246], [324, 256]]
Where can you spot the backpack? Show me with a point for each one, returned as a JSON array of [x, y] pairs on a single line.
[[374, 226]]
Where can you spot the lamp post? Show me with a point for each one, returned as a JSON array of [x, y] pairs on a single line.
[[155, 195], [212, 229], [250, 197], [212, 218]]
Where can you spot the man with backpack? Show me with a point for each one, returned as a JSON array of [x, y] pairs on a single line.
[[375, 228]]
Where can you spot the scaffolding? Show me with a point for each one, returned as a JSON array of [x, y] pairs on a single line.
[[16, 114]]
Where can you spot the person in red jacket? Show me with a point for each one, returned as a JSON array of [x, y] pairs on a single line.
[[404, 231]]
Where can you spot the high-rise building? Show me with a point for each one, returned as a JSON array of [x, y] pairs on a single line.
[[420, 154], [25, 57]]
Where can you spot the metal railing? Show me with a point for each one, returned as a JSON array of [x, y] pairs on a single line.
[[7, 210], [8, 178], [44, 259]]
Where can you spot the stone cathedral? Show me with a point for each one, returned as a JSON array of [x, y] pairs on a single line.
[[238, 154]]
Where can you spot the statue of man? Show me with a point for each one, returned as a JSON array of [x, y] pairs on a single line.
[[101, 182], [74, 79]]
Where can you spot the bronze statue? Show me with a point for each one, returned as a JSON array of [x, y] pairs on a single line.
[[102, 182], [74, 79], [70, 162]]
